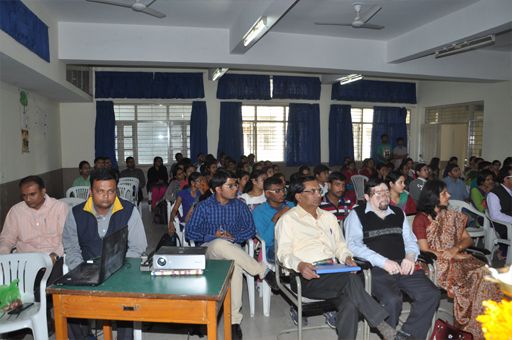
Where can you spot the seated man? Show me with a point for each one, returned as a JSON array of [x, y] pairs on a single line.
[[36, 224], [84, 168], [422, 172], [456, 186], [222, 222], [334, 201], [266, 215], [321, 173], [306, 235], [132, 171], [380, 234], [86, 225]]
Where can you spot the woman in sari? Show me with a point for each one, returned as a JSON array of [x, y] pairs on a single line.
[[442, 231]]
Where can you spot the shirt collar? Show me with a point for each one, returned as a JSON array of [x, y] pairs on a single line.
[[89, 206], [369, 208], [303, 213]]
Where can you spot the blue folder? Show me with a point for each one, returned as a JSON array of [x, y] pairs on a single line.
[[335, 268]]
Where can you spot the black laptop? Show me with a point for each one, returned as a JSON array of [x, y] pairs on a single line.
[[113, 252]]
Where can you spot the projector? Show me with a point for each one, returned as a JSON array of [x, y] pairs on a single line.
[[170, 258]]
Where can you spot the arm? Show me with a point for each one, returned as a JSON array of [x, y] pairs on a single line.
[[264, 226], [284, 238], [245, 228], [171, 227], [9, 237], [410, 242], [477, 199], [494, 206], [70, 241], [194, 228], [142, 178], [137, 242], [354, 236]]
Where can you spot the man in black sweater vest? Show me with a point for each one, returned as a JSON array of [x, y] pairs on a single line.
[[380, 234]]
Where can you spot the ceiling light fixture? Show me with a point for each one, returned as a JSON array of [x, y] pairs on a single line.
[[214, 74], [256, 31], [350, 78], [465, 46]]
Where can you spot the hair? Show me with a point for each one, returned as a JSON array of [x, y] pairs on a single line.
[[193, 176], [450, 167], [302, 168], [419, 166], [272, 181], [174, 171], [429, 197], [453, 159], [382, 165], [242, 173], [129, 158], [372, 183], [82, 163], [221, 177], [336, 176], [177, 154], [297, 186], [102, 174], [99, 158], [507, 161], [504, 172], [483, 164], [393, 177], [254, 175], [320, 168], [400, 139], [482, 176], [158, 158], [496, 161], [434, 163], [384, 135], [366, 161], [188, 165], [32, 179]]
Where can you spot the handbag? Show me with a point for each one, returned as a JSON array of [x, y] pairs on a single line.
[[444, 331]]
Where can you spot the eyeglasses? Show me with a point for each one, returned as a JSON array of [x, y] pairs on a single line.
[[313, 191], [380, 194], [277, 191], [232, 186]]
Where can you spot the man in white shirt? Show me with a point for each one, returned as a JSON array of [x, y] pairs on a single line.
[[307, 235]]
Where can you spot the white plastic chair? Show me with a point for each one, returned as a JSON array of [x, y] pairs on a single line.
[[126, 192], [474, 232], [507, 241], [134, 183], [78, 192], [177, 223], [265, 291], [249, 248], [25, 266], [358, 183], [72, 201]]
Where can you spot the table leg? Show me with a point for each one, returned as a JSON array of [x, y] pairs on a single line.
[[61, 326], [211, 313], [227, 315], [107, 330]]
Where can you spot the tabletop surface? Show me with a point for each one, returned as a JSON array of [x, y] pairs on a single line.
[[129, 281]]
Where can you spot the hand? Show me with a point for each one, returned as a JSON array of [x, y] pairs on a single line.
[[349, 261], [307, 270], [450, 253], [54, 257], [171, 229], [392, 267], [224, 234], [407, 266]]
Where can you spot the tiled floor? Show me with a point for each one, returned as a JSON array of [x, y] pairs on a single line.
[[258, 327]]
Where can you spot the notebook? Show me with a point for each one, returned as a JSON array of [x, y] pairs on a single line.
[[113, 252], [335, 268]]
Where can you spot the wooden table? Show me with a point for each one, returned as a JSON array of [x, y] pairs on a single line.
[[133, 295]]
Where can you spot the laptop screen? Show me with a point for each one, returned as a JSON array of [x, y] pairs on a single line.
[[113, 252]]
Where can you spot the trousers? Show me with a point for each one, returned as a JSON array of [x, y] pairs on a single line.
[[225, 250]]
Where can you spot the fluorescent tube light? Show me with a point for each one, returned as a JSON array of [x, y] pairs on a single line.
[[350, 78], [214, 74], [465, 46], [256, 31]]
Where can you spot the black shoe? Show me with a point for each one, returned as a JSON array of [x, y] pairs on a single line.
[[236, 332], [270, 278]]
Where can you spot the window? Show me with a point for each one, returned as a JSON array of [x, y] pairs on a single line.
[[362, 124], [264, 131], [148, 130]]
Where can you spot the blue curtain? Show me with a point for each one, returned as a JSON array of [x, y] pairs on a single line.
[[25, 27], [303, 135], [375, 91], [198, 134], [341, 140], [391, 121], [148, 85], [230, 130], [285, 87], [244, 86], [105, 131]]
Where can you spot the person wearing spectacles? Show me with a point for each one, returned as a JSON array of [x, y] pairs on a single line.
[[222, 223], [380, 234], [306, 235], [253, 193], [267, 214]]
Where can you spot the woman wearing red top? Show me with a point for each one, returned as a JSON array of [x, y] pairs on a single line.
[[443, 232], [399, 197], [368, 168]]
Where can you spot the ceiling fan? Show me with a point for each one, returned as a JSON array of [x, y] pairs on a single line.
[[361, 19], [137, 6]]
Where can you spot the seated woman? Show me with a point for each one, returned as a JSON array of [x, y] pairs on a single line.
[[253, 193], [399, 197], [368, 168], [442, 232], [484, 184], [187, 197]]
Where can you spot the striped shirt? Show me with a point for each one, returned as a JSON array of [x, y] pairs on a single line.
[[340, 211], [210, 216]]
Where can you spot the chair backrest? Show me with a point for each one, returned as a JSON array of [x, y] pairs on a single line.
[[459, 205], [358, 183], [133, 181], [78, 192], [24, 267], [72, 201], [126, 191]]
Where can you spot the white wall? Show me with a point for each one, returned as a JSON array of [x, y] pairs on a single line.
[[44, 141], [497, 138]]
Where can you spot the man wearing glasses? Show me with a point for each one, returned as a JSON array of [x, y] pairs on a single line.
[[222, 223], [307, 235], [266, 214], [380, 234]]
